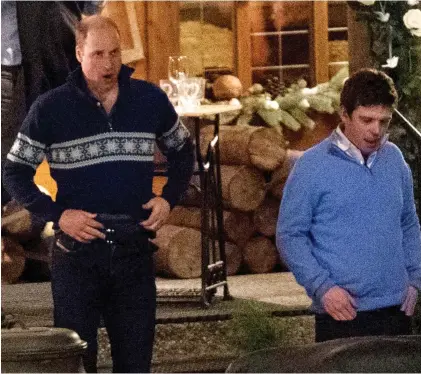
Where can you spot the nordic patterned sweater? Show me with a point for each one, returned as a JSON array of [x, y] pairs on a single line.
[[102, 163], [342, 223]]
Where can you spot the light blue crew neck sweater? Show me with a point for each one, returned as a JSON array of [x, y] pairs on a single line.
[[342, 223]]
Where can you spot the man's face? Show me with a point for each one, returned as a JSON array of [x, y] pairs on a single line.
[[100, 57], [366, 126]]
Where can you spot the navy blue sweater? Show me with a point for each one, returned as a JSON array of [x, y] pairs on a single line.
[[102, 163]]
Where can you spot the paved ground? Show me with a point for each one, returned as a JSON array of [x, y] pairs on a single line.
[[278, 288], [32, 302]]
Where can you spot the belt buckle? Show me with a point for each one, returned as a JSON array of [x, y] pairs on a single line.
[[110, 236]]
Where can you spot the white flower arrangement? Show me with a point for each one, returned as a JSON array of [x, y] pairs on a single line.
[[395, 31], [412, 20]]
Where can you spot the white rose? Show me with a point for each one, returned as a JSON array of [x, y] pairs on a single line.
[[413, 2], [412, 20], [416, 32], [274, 105], [367, 2], [235, 102], [304, 104], [271, 105]]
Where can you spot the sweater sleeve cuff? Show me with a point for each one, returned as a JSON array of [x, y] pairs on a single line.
[[416, 283], [323, 288], [54, 213]]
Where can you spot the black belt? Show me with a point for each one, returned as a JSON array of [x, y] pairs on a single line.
[[122, 229], [119, 229]]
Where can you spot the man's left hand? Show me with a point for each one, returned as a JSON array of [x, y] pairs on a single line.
[[410, 301], [159, 214]]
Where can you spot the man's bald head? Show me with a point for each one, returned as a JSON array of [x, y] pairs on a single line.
[[96, 22]]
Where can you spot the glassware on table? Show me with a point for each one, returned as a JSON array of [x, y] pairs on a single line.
[[178, 68], [191, 92], [170, 89]]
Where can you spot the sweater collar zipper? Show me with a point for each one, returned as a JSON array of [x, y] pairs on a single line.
[[76, 79]]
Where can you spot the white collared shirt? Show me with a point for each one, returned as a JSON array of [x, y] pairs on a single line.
[[344, 144]]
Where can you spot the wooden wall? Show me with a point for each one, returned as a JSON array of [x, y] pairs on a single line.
[[156, 25], [358, 43]]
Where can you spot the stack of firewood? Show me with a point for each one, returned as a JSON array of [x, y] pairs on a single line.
[[25, 244], [255, 164]]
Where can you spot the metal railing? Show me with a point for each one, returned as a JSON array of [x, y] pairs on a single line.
[[408, 138]]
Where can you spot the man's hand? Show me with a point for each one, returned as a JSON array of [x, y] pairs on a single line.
[[160, 212], [80, 225], [410, 301], [339, 304]]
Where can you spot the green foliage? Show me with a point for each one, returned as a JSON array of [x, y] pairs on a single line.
[[254, 328], [391, 37], [289, 108]]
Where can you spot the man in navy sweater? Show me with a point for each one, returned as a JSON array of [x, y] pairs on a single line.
[[347, 224], [98, 132]]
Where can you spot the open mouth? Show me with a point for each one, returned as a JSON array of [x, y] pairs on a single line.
[[372, 143], [107, 76]]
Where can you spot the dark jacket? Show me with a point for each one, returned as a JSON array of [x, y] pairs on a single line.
[[47, 43]]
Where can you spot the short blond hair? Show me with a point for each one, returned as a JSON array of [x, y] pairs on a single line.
[[92, 22]]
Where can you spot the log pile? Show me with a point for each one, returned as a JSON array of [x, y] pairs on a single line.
[[255, 164], [26, 243]]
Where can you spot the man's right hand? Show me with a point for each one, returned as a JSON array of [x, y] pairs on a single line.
[[339, 304], [80, 225]]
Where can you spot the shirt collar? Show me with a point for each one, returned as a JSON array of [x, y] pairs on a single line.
[[343, 143], [76, 77]]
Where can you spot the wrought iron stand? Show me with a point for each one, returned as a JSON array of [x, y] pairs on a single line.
[[214, 267]]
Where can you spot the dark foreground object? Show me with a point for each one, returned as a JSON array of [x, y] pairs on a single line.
[[41, 350], [371, 354]]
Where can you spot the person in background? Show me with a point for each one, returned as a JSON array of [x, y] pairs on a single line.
[[347, 225], [98, 133], [37, 54]]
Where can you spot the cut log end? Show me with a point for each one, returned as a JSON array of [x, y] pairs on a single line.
[[267, 149], [234, 258], [12, 260], [242, 187], [179, 252], [265, 217], [260, 255]]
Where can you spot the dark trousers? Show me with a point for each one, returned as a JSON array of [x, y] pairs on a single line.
[[385, 321], [97, 280], [13, 111]]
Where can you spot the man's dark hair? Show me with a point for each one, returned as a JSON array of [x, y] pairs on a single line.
[[87, 23], [368, 87]]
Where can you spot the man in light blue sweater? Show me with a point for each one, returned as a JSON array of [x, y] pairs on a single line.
[[347, 224]]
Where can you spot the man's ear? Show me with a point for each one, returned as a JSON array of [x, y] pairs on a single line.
[[344, 114], [79, 54]]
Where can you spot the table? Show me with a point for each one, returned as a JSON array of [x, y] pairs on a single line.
[[214, 269]]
